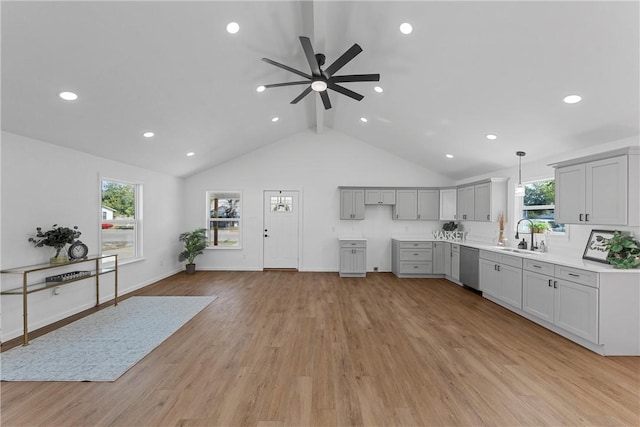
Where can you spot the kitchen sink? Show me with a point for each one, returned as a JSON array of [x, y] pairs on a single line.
[[518, 251]]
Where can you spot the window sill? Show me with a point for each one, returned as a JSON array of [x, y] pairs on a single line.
[[220, 248], [125, 262]]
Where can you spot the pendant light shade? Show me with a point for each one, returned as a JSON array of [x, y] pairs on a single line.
[[519, 187]]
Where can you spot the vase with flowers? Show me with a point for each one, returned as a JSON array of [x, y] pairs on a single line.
[[501, 221], [57, 238]]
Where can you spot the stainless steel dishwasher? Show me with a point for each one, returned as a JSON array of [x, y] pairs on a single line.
[[469, 267]]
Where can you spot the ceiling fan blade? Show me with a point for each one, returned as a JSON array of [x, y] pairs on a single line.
[[302, 95], [304, 82], [344, 91], [285, 67], [340, 62], [356, 78], [325, 99], [310, 54]]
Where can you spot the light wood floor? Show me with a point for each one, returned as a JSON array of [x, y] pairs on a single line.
[[286, 348]]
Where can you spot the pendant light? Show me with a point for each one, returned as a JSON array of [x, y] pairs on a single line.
[[520, 188]]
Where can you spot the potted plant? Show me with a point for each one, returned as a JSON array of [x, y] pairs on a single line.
[[624, 250], [194, 244], [58, 238], [540, 227]]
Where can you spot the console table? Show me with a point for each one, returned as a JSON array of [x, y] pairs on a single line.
[[64, 278]]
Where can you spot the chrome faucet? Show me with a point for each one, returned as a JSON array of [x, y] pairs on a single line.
[[530, 228]]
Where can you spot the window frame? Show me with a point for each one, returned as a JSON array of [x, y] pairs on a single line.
[[138, 220], [208, 219], [520, 207]]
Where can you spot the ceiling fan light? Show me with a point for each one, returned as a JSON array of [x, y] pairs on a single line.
[[319, 85]]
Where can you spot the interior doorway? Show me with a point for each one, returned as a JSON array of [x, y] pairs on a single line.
[[281, 229]]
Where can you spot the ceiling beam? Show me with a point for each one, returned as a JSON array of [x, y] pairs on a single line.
[[319, 11]]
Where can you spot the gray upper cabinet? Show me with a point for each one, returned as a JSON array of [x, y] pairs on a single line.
[[466, 203], [448, 204], [351, 204], [379, 197], [593, 192], [482, 206], [483, 201], [428, 205], [406, 206]]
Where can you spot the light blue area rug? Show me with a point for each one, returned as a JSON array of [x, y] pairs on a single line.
[[104, 345]]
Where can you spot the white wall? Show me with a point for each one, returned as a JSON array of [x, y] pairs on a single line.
[[43, 184], [315, 164], [574, 242]]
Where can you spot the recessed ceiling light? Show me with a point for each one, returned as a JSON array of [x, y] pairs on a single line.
[[233, 27], [148, 134], [572, 99], [260, 89], [275, 119], [406, 28], [363, 119], [491, 136], [190, 153], [68, 96], [378, 89], [449, 156]]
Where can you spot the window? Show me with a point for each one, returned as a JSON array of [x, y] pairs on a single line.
[[224, 219], [121, 213], [538, 205]]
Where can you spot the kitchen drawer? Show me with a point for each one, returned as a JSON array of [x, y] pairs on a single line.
[[576, 275], [513, 261], [416, 245], [353, 243], [416, 254], [491, 256], [416, 268], [539, 267]]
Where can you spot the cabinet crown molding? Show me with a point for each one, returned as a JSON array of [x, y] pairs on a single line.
[[631, 150]]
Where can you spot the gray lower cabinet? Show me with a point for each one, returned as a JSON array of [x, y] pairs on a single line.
[[447, 259], [412, 258], [438, 258], [550, 296], [353, 258], [501, 277], [455, 262]]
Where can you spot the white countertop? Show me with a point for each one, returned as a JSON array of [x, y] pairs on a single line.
[[539, 256], [359, 238]]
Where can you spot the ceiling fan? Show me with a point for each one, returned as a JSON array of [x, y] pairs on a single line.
[[320, 80]]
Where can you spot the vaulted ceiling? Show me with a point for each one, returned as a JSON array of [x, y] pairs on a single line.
[[468, 69]]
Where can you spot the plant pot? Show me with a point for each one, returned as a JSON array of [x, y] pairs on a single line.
[[190, 268]]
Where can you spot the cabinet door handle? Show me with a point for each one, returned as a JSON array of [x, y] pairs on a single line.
[[555, 284], [418, 216], [586, 217], [574, 275], [416, 254], [550, 282], [487, 217], [537, 266], [580, 217]]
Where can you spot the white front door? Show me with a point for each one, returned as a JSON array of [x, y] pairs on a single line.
[[281, 222]]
